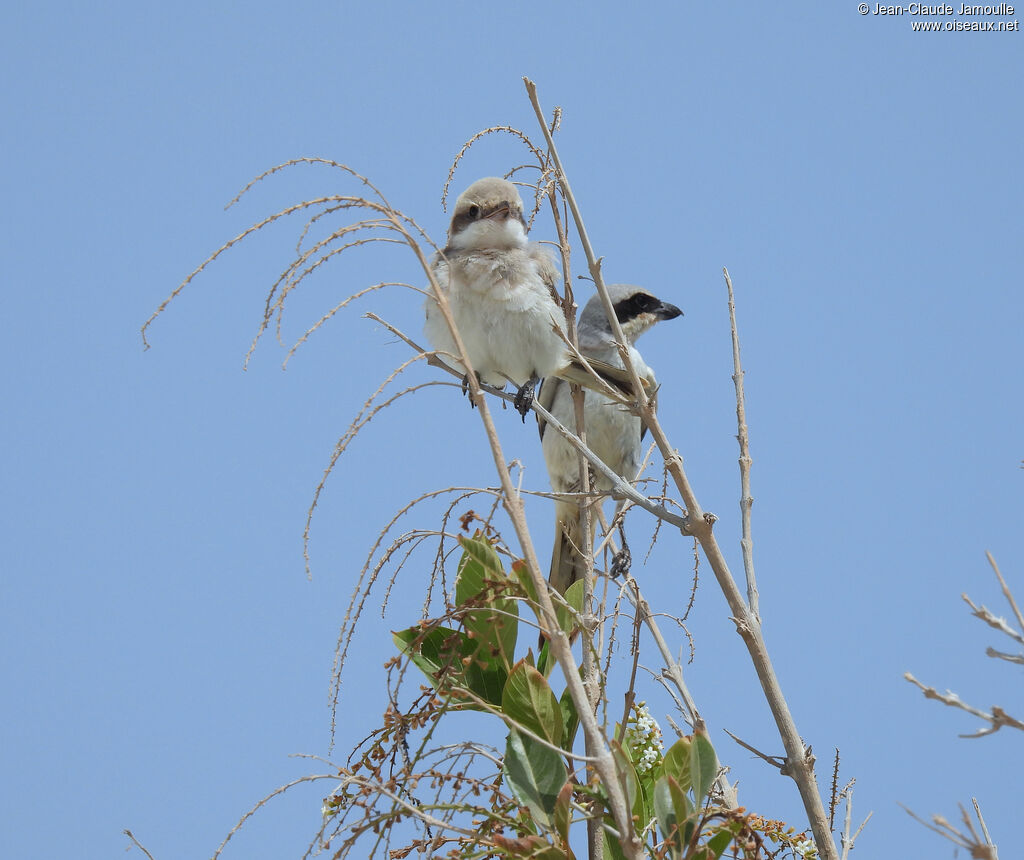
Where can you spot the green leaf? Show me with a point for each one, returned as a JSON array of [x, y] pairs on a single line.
[[545, 661], [525, 581], [683, 807], [677, 763], [574, 597], [548, 852], [487, 682], [719, 842], [563, 811], [527, 699], [665, 812], [446, 657], [434, 649], [645, 799], [627, 776], [703, 767], [570, 719], [489, 618], [535, 774], [612, 849]]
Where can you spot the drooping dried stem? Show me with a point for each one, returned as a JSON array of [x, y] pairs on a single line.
[[799, 759]]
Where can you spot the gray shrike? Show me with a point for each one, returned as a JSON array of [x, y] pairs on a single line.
[[613, 433], [501, 290]]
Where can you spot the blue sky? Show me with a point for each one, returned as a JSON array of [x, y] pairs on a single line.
[[164, 652]]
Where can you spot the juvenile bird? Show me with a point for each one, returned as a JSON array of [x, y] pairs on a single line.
[[501, 290], [613, 433]]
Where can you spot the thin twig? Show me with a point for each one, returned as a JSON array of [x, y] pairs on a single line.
[[992, 620], [996, 719], [773, 760], [746, 500], [1006, 592], [137, 844], [984, 826]]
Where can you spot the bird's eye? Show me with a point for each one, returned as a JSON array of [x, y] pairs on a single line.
[[474, 211], [643, 302]]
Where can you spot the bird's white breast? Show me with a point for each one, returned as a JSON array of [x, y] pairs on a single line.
[[504, 311]]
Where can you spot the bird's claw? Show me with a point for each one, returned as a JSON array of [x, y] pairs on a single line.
[[621, 562], [466, 391], [523, 399]]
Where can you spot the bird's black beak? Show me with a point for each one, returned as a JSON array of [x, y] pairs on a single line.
[[665, 311], [499, 212]]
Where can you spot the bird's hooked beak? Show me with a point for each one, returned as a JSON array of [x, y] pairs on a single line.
[[501, 212], [665, 311]]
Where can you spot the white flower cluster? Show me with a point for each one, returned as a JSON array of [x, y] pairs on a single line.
[[645, 739], [805, 848]]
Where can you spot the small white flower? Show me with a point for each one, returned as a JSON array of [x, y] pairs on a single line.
[[805, 848]]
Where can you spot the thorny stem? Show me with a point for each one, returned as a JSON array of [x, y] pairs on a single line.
[[746, 501], [799, 759]]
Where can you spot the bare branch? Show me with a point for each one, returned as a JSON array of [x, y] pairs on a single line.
[[972, 843], [746, 500], [137, 844], [996, 719], [1006, 592], [992, 620], [773, 760], [1002, 655]]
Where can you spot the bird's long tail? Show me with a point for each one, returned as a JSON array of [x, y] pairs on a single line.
[[567, 562]]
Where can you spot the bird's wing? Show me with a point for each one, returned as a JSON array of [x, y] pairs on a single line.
[[546, 269], [616, 377], [651, 386], [546, 398]]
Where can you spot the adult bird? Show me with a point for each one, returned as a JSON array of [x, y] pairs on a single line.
[[613, 433], [501, 291]]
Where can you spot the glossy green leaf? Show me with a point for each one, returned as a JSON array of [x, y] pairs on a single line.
[[703, 767], [665, 812], [528, 700], [545, 661], [683, 807], [627, 777], [570, 719], [612, 849], [489, 615], [677, 763], [574, 597], [522, 574], [486, 682], [563, 811], [434, 649], [548, 852], [447, 658], [717, 844], [535, 774]]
